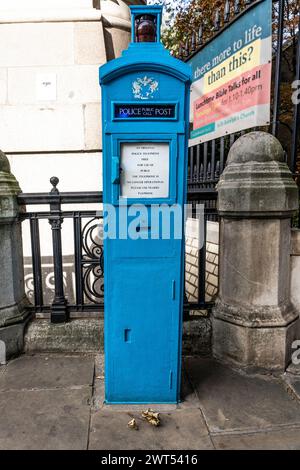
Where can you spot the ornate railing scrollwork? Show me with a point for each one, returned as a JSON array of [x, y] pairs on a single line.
[[93, 261]]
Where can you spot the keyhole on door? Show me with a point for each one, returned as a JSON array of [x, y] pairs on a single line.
[[127, 335]]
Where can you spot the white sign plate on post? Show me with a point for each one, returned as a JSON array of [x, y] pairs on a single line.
[[145, 170]]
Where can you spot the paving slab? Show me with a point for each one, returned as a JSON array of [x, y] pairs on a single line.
[[293, 383], [285, 439], [52, 371], [189, 398], [45, 419], [180, 429], [99, 391], [48, 402], [2, 369], [231, 401]]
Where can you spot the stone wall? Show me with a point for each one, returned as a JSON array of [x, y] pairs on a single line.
[[212, 261], [49, 66], [50, 100]]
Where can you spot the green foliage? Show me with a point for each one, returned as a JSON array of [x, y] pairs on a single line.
[[187, 16]]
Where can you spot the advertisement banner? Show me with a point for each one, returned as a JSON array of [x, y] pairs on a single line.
[[232, 77]]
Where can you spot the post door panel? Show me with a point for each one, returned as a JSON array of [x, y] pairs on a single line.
[[143, 332]]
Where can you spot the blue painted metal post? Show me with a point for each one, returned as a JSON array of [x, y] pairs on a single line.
[[145, 115]]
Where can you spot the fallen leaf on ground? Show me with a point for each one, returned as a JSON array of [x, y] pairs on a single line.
[[151, 417], [133, 424]]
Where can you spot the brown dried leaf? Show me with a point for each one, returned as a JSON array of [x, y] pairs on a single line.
[[151, 417], [133, 424]]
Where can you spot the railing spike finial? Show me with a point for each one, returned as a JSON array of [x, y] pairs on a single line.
[[217, 21], [217, 171], [193, 41], [208, 172], [227, 11], [54, 181], [201, 172], [237, 7], [180, 55], [187, 48], [200, 35]]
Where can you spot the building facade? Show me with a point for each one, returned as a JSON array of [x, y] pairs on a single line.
[[50, 102], [50, 121]]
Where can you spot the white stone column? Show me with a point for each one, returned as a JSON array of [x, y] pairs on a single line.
[[13, 315], [116, 26], [254, 321]]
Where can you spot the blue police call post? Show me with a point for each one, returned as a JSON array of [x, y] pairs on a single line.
[[145, 115]]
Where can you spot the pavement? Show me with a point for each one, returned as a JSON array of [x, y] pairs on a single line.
[[56, 402]]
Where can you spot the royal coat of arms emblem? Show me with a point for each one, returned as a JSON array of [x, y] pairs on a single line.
[[144, 88]]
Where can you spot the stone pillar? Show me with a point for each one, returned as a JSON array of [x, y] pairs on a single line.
[[116, 21], [12, 294], [254, 321]]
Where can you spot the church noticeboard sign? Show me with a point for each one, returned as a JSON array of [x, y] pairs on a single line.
[[232, 77], [145, 170]]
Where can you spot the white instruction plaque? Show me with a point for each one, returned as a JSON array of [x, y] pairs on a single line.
[[145, 170]]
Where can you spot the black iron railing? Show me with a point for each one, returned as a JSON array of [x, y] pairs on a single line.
[[88, 252], [87, 259], [207, 197]]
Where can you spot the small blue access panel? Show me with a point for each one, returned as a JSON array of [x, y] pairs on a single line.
[[145, 115]]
